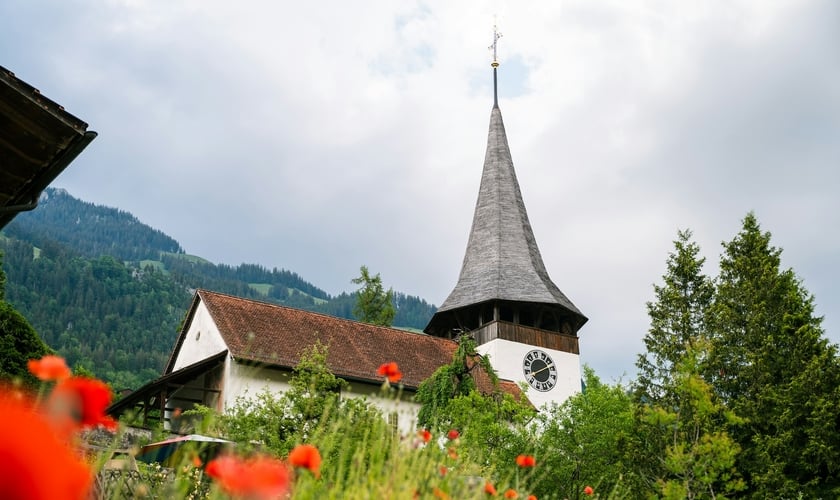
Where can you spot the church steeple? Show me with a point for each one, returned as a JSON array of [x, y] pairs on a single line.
[[503, 277]]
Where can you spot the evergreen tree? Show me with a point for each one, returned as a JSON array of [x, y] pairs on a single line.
[[18, 344], [771, 365], [373, 304], [677, 319], [2, 280]]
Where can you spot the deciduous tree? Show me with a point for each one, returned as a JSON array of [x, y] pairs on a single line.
[[582, 441], [373, 304]]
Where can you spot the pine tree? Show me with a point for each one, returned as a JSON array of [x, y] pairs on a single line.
[[373, 304], [2, 280], [771, 365], [677, 319]]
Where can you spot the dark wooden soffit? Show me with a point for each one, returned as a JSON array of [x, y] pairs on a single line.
[[38, 140], [159, 386]]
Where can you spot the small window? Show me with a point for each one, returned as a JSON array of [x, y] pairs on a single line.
[[506, 314], [197, 335]]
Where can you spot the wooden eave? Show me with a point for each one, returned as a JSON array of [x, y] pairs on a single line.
[[38, 140]]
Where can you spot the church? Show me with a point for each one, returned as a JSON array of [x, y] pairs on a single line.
[[504, 298]]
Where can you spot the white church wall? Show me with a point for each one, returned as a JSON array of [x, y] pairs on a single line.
[[248, 381], [507, 358], [201, 341], [403, 411]]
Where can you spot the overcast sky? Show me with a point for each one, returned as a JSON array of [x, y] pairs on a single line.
[[320, 136]]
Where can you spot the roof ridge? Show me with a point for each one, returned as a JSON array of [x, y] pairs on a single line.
[[201, 291]]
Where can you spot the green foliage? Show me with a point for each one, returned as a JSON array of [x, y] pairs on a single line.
[[771, 364], [90, 229], [582, 441], [689, 435], [457, 378], [373, 304], [278, 421], [751, 347], [677, 320], [116, 321], [2, 280], [494, 426], [18, 344]]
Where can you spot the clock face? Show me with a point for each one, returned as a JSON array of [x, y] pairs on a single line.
[[539, 370]]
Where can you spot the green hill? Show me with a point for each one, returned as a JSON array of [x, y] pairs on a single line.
[[109, 292]]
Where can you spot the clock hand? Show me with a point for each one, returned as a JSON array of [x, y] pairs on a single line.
[[546, 367]]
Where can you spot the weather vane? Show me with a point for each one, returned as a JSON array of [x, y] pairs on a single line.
[[496, 36]]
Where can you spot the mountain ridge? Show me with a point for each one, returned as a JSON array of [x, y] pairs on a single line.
[[109, 292]]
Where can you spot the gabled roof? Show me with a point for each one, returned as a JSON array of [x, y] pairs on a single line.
[[38, 140], [274, 335], [502, 261]]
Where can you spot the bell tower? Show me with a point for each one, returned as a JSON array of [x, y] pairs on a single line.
[[504, 297]]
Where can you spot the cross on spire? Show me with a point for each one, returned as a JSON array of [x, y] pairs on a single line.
[[495, 64], [496, 36]]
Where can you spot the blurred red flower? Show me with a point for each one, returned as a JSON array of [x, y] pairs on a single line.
[[36, 464], [260, 477], [390, 370], [49, 368], [511, 493], [489, 488], [425, 435], [526, 461], [532, 497], [82, 401], [306, 456], [453, 434], [588, 491]]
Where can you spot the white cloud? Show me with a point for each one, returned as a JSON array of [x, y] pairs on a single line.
[[321, 136]]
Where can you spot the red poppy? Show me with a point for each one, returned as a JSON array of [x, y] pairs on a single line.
[[425, 435], [511, 493], [532, 497], [443, 470], [49, 368], [306, 456], [453, 434], [588, 491], [36, 464], [453, 453], [489, 488], [526, 461], [260, 477], [82, 401], [390, 370]]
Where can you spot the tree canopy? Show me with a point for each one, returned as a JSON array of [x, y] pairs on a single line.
[[373, 304]]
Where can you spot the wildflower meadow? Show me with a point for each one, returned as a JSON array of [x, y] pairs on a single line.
[[46, 456]]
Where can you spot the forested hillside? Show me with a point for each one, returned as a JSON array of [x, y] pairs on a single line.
[[88, 229], [109, 292]]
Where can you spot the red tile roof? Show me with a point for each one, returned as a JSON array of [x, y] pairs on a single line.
[[276, 335]]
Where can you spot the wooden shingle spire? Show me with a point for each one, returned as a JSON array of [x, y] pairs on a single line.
[[503, 277]]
